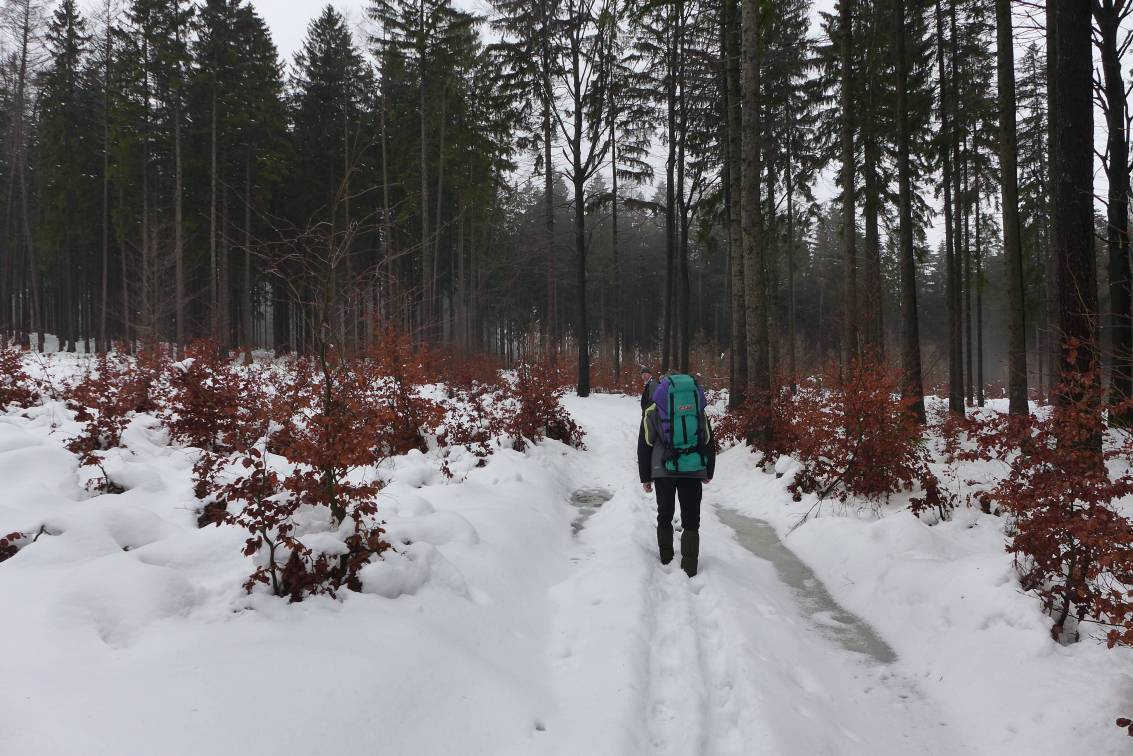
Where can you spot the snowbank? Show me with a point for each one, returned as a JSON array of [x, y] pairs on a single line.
[[947, 599], [497, 628]]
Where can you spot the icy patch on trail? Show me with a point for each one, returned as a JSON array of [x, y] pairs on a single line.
[[848, 630], [588, 501], [947, 600]]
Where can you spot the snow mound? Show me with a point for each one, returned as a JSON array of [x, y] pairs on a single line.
[[437, 529], [119, 597], [409, 568]]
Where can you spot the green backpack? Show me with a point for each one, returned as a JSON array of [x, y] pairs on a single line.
[[685, 450]]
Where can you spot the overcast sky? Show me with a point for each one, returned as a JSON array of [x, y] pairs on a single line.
[[288, 19]]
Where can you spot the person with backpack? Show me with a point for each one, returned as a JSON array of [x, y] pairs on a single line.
[[676, 454], [649, 385]]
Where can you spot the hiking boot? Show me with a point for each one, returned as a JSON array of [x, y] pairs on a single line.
[[665, 542], [690, 550]]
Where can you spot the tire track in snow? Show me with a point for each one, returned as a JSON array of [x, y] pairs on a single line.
[[678, 689], [700, 698], [733, 666], [696, 699]]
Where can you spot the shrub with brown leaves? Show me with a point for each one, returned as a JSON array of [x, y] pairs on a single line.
[[104, 401], [16, 387], [1064, 475], [474, 419], [11, 544], [212, 404], [539, 413], [856, 437], [326, 426], [391, 377], [852, 434], [745, 424]]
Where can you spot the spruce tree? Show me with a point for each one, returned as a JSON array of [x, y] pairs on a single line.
[[530, 57], [66, 170], [329, 134], [431, 35], [791, 97]]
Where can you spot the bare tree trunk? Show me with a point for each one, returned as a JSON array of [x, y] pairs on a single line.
[[618, 330], [792, 312], [178, 233], [18, 178], [850, 319], [872, 333], [735, 213], [1053, 336], [146, 315], [670, 194], [1009, 186], [34, 282], [682, 330], [912, 388], [123, 259], [551, 326], [440, 197], [347, 307], [977, 262], [959, 207], [426, 248], [955, 352], [546, 100], [246, 288], [581, 329], [1110, 15], [771, 268], [390, 299], [965, 214], [759, 369], [103, 344], [1071, 118], [214, 271], [225, 283]]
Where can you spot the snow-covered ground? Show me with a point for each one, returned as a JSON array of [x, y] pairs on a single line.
[[500, 629]]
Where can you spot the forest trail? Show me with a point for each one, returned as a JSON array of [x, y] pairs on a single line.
[[523, 613], [734, 661]]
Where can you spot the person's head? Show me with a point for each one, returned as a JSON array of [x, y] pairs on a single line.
[[646, 375]]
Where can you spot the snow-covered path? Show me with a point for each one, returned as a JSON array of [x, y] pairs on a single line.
[[510, 623], [649, 662]]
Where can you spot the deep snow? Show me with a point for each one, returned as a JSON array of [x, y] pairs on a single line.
[[499, 628]]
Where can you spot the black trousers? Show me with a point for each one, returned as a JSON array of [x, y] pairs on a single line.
[[689, 490]]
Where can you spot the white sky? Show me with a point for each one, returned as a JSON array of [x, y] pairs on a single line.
[[288, 19]]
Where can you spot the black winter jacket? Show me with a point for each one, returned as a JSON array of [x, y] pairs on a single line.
[[647, 393]]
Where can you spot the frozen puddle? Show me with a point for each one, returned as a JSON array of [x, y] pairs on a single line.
[[848, 630], [588, 500]]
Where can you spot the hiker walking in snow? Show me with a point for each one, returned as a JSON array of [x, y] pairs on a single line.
[[649, 385], [676, 454]]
